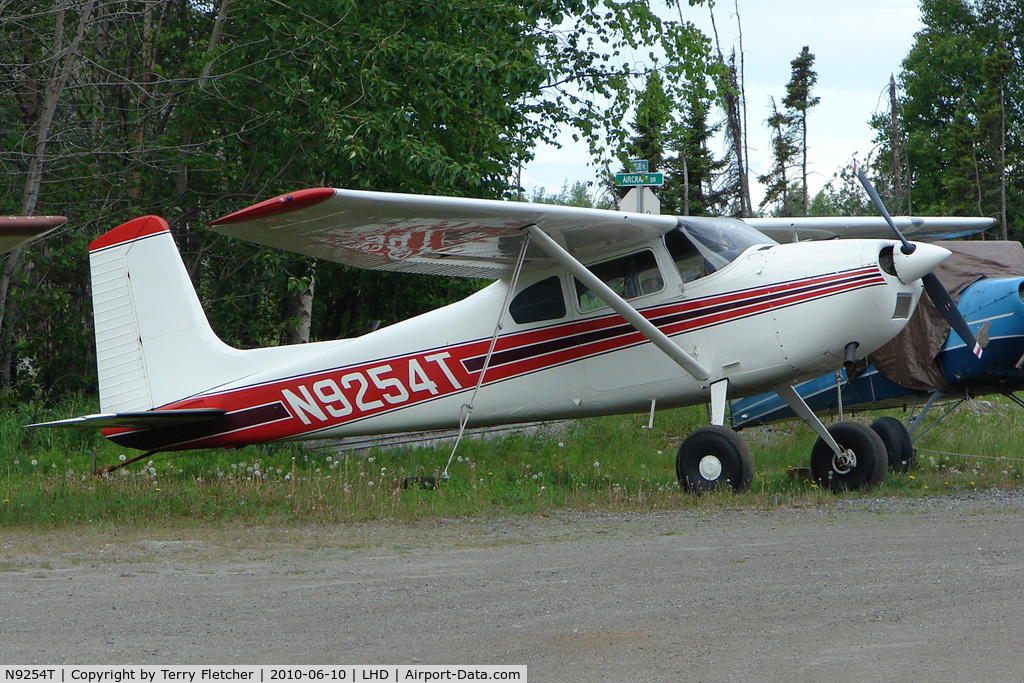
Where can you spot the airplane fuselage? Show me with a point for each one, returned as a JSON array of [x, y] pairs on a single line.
[[773, 315]]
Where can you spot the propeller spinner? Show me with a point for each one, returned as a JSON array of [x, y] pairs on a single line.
[[936, 292]]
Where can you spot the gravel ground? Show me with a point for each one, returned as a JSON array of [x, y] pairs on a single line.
[[871, 589]]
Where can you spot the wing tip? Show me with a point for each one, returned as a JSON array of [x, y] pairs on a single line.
[[292, 201], [137, 228]]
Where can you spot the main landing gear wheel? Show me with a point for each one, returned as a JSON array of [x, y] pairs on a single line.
[[862, 464], [714, 457], [898, 446]]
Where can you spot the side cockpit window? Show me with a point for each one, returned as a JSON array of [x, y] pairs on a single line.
[[540, 301], [630, 276], [689, 262], [701, 246]]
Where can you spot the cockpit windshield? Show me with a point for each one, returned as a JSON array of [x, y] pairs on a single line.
[[721, 240]]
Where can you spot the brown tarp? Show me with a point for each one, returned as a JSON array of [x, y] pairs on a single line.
[[910, 359]]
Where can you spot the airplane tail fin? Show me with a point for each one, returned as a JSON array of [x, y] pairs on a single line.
[[154, 344]]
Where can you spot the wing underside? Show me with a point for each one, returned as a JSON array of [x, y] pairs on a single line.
[[482, 238], [435, 235]]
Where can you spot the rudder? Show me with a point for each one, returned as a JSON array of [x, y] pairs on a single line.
[[154, 344]]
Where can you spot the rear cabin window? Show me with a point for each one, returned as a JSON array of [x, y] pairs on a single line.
[[629, 277], [542, 300]]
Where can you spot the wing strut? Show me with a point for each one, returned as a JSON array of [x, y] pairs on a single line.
[[618, 304], [467, 408], [797, 405]]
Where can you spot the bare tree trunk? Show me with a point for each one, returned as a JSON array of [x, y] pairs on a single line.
[[60, 64], [895, 144], [300, 308], [686, 186], [743, 102], [1002, 162], [734, 126], [181, 172]]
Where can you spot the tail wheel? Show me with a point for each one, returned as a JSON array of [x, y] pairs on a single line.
[[898, 446], [861, 465], [714, 457]]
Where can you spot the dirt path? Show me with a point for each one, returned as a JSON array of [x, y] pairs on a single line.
[[868, 590]]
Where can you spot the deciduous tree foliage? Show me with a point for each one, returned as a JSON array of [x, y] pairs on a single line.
[[194, 108]]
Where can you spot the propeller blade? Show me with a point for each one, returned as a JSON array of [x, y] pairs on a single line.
[[936, 292], [907, 247], [944, 302]]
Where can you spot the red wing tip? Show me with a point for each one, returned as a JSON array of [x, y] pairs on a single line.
[[285, 203], [29, 226], [130, 231]]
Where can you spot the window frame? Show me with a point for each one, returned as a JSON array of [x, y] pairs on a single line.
[[655, 260]]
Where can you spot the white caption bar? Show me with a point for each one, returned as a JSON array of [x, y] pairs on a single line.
[[261, 674]]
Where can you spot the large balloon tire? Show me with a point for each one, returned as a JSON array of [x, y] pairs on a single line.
[[714, 457], [871, 460], [898, 446]]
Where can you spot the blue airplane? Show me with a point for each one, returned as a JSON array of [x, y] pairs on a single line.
[[928, 363]]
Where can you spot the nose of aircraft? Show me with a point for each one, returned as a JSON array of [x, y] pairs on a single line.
[[925, 259]]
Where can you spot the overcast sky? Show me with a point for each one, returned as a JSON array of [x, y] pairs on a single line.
[[857, 46]]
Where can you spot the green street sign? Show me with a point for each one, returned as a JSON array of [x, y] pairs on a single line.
[[639, 179], [638, 166]]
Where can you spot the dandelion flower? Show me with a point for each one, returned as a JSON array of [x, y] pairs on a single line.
[[597, 463], [34, 463], [122, 457]]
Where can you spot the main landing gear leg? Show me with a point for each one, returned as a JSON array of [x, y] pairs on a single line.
[[848, 455], [715, 456]]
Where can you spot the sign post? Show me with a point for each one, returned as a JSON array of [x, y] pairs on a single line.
[[640, 179]]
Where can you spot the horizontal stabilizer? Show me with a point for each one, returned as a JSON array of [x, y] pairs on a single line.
[[146, 419]]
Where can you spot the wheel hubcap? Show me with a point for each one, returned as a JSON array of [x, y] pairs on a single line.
[[710, 467], [844, 462]]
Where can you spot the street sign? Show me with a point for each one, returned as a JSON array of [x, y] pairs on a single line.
[[638, 166], [639, 179]]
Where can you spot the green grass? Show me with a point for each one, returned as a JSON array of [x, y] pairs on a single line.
[[604, 464]]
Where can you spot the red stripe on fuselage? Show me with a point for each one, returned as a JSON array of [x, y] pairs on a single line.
[[329, 398]]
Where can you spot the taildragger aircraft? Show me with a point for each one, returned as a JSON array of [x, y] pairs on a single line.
[[591, 313]]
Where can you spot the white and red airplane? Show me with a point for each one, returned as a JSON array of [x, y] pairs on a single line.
[[592, 312]]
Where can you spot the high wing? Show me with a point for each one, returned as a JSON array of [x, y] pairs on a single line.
[[867, 227], [433, 235], [17, 230]]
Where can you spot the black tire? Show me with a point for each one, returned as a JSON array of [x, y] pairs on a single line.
[[714, 457], [898, 446], [866, 468]]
